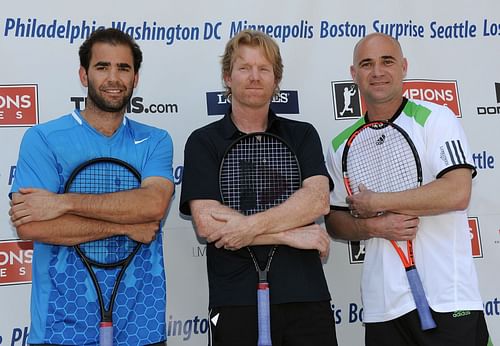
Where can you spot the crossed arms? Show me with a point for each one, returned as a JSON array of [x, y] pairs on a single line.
[[281, 225], [401, 210], [69, 219]]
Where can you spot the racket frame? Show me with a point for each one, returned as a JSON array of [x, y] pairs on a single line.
[[416, 287], [106, 324], [263, 290]]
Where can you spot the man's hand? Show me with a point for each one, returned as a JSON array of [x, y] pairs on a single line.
[[362, 204], [237, 232], [393, 226], [312, 237], [142, 232], [31, 204]]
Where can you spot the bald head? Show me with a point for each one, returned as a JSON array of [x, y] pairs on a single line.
[[374, 38], [379, 69]]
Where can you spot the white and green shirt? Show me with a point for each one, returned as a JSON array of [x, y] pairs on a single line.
[[442, 248]]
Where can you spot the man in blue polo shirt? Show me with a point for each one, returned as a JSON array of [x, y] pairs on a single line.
[[60, 313]]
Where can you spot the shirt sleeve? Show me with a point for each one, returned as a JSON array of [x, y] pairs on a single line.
[[159, 162], [36, 165], [200, 179], [447, 145], [310, 153]]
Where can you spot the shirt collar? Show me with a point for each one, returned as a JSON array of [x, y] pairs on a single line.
[[395, 115], [230, 131]]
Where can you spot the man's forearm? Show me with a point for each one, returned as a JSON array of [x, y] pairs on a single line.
[[68, 230], [302, 208], [140, 205]]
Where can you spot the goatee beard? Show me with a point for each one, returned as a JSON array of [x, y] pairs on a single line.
[[103, 105]]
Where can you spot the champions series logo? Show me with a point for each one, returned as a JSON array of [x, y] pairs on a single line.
[[286, 102], [15, 262], [348, 104], [357, 248], [18, 105]]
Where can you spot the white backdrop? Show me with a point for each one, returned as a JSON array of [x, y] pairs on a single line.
[[453, 58]]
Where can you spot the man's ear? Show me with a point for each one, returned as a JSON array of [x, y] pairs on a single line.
[[83, 76]]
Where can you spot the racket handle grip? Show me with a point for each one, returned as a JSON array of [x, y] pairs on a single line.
[[263, 315], [106, 334], [423, 309]]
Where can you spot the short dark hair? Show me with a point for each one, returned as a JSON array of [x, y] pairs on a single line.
[[113, 37]]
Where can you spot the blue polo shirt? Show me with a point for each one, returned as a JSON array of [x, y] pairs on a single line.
[[64, 307]]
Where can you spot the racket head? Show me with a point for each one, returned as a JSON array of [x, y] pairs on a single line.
[[380, 155], [258, 171], [105, 175]]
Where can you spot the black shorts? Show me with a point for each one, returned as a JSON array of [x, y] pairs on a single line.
[[460, 328], [292, 324]]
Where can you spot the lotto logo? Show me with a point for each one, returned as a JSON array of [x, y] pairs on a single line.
[[18, 105], [15, 262], [441, 92]]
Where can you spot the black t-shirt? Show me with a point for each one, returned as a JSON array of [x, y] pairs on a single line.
[[295, 275]]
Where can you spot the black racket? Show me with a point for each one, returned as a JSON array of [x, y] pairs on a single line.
[[105, 175], [381, 156], [259, 171]]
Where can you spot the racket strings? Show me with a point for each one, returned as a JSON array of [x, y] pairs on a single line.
[[382, 160], [258, 173], [105, 177]]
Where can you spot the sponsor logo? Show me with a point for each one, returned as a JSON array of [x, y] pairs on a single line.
[[286, 102], [349, 104], [139, 141], [491, 109], [18, 105], [475, 237], [15, 262], [135, 106], [357, 248], [346, 100], [442, 92], [356, 251], [461, 313]]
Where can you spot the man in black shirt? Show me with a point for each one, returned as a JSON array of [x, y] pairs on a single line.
[[300, 301]]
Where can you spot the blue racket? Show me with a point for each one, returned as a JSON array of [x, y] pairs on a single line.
[[105, 175]]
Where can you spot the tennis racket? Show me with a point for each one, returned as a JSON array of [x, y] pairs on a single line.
[[259, 171], [381, 156], [105, 175]]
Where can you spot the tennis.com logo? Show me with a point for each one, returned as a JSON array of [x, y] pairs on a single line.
[[15, 262], [348, 103], [357, 248], [286, 102], [491, 110], [18, 105], [135, 106]]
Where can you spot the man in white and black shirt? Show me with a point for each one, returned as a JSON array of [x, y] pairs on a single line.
[[433, 215]]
